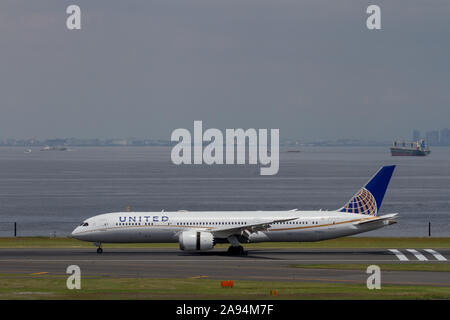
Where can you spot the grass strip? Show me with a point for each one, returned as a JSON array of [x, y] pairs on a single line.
[[348, 242], [16, 286]]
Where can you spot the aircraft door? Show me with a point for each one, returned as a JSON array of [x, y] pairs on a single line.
[[103, 224]]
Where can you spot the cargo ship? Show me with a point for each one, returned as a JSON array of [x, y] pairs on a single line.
[[414, 148]]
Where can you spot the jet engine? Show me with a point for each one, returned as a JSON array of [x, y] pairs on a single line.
[[196, 241]]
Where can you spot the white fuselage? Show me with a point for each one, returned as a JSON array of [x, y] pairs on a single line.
[[123, 227]]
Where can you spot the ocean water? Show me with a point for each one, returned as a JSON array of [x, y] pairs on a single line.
[[49, 193]]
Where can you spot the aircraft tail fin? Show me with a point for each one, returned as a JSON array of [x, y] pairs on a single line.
[[368, 199]]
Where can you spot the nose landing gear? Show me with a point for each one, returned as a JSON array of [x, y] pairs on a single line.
[[99, 245]]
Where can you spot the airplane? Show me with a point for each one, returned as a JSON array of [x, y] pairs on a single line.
[[202, 230]]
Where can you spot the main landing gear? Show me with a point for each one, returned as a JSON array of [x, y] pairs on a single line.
[[236, 251], [99, 245]]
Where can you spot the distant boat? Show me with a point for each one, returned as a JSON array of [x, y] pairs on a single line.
[[414, 148], [47, 148]]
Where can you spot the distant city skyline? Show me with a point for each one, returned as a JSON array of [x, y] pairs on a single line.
[[433, 137], [132, 141]]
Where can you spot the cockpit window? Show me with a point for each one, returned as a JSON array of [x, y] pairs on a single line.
[[84, 224]]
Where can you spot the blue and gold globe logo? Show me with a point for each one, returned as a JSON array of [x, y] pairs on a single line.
[[362, 203]]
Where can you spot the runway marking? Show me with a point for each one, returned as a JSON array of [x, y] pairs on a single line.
[[199, 277], [399, 255], [418, 255], [36, 273], [437, 255], [198, 260]]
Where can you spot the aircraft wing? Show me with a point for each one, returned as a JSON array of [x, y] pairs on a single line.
[[247, 229], [388, 218]]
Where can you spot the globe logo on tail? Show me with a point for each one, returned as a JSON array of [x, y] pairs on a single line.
[[362, 203]]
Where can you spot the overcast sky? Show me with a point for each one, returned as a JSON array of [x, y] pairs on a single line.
[[144, 68]]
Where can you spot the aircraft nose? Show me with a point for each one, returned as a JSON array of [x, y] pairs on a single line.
[[75, 232]]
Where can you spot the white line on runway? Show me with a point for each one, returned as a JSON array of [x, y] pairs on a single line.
[[437, 255], [193, 260], [418, 255], [399, 255]]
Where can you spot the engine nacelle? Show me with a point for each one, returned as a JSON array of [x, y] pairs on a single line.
[[196, 241]]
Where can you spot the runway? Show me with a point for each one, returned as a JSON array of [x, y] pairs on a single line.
[[259, 265]]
